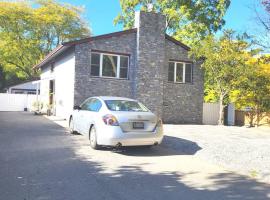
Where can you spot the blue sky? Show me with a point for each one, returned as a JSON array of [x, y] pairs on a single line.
[[100, 14]]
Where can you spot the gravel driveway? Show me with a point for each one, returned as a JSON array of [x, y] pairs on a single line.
[[243, 150]]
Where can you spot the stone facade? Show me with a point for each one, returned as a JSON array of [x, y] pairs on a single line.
[[86, 86], [183, 102], [149, 52]]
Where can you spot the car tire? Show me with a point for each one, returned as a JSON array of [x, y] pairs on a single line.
[[71, 126], [93, 138]]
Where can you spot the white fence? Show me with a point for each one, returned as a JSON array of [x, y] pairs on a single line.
[[16, 102], [210, 113]]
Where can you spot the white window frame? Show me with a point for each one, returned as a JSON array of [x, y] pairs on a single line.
[[184, 71], [117, 67]]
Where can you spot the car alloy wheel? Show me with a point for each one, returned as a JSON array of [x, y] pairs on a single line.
[[93, 138]]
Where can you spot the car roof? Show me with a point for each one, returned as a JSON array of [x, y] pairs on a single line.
[[104, 98]]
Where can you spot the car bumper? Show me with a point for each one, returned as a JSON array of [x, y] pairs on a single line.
[[114, 136]]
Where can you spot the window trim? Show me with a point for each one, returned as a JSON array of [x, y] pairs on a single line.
[[184, 71], [118, 55]]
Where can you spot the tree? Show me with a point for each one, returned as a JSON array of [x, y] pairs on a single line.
[[225, 65], [262, 28], [29, 30], [254, 92], [189, 21]]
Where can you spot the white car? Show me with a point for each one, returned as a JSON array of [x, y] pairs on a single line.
[[116, 121]]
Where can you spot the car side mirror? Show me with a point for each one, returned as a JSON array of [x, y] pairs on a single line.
[[77, 108]]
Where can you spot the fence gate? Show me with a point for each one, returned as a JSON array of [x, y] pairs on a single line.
[[16, 102], [210, 113]]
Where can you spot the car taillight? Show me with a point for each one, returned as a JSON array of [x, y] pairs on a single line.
[[110, 120]]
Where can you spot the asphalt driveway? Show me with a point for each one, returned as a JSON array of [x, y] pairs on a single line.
[[39, 160]]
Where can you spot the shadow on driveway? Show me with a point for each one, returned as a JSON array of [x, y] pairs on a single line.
[[169, 146]]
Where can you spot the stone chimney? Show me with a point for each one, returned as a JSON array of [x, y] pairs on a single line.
[[150, 59]]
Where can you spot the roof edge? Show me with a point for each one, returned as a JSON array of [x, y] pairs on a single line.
[[170, 38], [62, 47], [66, 45], [104, 36], [22, 82]]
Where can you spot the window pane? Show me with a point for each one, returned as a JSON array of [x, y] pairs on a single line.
[[94, 70], [95, 61], [179, 72], [95, 58], [123, 67], [171, 71], [109, 67], [188, 75], [123, 72], [123, 62]]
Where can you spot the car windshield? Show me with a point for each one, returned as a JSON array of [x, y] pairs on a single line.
[[125, 105]]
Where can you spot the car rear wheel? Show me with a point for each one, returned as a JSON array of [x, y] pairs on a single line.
[[71, 126], [93, 138]]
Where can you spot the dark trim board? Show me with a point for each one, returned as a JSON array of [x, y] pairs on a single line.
[[109, 52], [185, 61], [28, 90], [177, 42]]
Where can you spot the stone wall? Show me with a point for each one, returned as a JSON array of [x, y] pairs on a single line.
[[150, 59], [87, 86], [183, 102]]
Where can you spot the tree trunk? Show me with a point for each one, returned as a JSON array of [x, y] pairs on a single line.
[[258, 116], [251, 118], [221, 110]]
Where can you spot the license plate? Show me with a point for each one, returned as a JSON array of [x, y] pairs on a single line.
[[138, 125]]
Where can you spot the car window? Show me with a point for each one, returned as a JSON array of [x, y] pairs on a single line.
[[124, 105], [91, 105], [95, 105], [85, 104]]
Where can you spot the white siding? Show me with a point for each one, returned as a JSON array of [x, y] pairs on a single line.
[[63, 74]]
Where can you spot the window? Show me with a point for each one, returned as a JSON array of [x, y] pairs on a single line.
[[123, 105], [171, 72], [95, 63], [91, 105], [109, 65], [188, 74], [180, 72]]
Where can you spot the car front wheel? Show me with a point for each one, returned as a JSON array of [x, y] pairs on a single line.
[[93, 138]]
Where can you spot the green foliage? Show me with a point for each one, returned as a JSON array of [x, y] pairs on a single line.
[[225, 65], [187, 20], [254, 91], [29, 30]]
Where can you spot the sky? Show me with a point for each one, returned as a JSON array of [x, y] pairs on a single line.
[[101, 13]]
